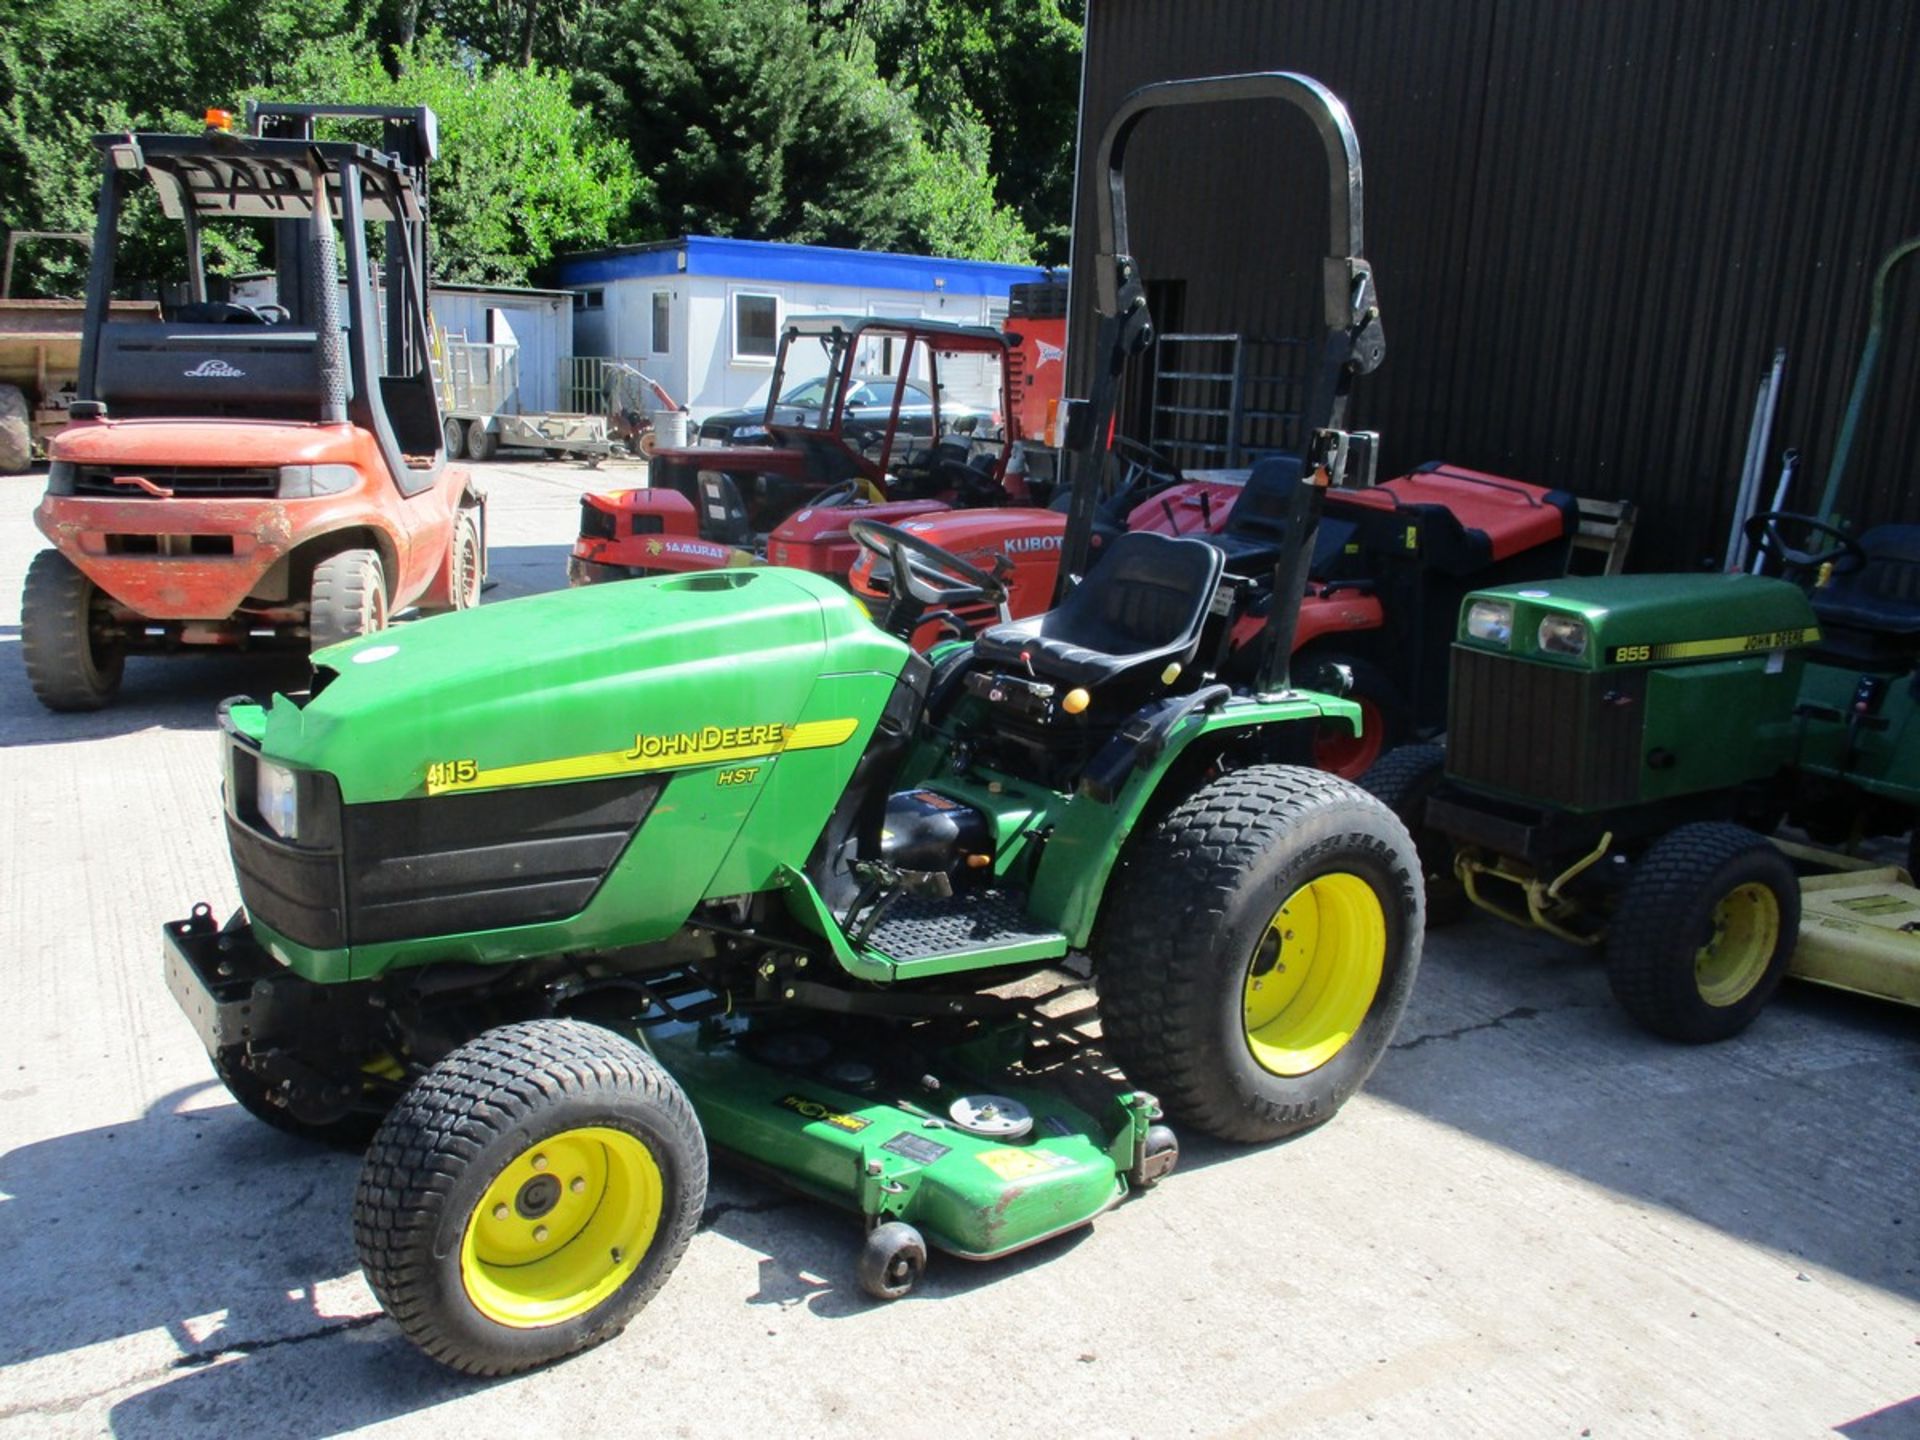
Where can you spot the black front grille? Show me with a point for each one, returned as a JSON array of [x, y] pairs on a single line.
[[1547, 733], [442, 865], [186, 482], [457, 863]]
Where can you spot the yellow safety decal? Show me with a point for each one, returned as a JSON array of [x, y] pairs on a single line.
[[709, 745], [1019, 1164], [1702, 649]]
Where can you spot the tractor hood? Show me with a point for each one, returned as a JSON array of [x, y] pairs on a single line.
[[612, 679], [1592, 622]]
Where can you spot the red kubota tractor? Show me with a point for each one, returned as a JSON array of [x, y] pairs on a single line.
[[857, 422], [253, 476]]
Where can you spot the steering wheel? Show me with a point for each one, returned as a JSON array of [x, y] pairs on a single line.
[[1763, 533], [845, 493], [916, 563]]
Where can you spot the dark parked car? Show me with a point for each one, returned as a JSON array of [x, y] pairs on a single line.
[[868, 402]]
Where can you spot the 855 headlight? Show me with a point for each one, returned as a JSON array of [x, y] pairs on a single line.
[[1491, 620], [1563, 635]]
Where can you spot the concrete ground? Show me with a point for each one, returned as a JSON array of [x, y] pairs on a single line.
[[1536, 1221]]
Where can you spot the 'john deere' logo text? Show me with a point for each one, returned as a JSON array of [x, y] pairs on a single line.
[[708, 740], [214, 370]]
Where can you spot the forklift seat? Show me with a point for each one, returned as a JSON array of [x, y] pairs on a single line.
[[1872, 615], [1142, 607]]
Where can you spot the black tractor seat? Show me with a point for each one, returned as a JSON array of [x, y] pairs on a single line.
[[1141, 608], [1871, 616]]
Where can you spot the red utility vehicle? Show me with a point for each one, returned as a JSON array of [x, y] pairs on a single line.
[[708, 506], [254, 475]]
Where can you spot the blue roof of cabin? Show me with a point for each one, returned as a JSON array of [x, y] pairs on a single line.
[[770, 260]]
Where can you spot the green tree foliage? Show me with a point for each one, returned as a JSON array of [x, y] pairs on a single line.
[[750, 120], [523, 173], [72, 68]]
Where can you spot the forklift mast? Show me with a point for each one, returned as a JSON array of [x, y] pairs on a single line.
[[1352, 342]]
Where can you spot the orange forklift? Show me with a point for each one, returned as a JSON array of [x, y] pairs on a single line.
[[254, 476]]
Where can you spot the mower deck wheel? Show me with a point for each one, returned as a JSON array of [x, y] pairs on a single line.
[[349, 597], [1260, 950], [892, 1261], [528, 1195], [1704, 931], [71, 664]]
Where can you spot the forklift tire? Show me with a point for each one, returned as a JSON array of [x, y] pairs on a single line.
[[1704, 931], [1403, 779], [481, 442], [892, 1261], [466, 560], [528, 1195], [1260, 950], [16, 431], [349, 598], [453, 434], [70, 663], [351, 1131]]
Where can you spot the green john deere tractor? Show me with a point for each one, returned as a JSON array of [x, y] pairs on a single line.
[[1621, 749], [552, 896]]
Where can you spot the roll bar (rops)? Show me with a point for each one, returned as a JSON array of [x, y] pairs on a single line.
[[1352, 341]]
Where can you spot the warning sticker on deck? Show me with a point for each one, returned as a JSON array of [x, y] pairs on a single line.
[[1011, 1164]]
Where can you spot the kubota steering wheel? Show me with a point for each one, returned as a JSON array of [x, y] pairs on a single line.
[[918, 566], [1763, 533]]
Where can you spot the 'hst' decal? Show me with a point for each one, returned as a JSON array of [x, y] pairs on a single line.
[[708, 745], [1703, 649]]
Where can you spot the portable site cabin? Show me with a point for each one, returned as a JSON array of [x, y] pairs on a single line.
[[703, 315]]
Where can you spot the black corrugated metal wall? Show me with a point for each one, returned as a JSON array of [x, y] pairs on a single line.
[[1592, 222]]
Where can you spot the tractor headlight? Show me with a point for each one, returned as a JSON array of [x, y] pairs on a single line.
[[277, 797], [1563, 635], [1491, 620]]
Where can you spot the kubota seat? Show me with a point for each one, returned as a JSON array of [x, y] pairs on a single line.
[[1140, 609]]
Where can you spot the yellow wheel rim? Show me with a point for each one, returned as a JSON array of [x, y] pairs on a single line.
[[1746, 932], [561, 1227], [1312, 978]]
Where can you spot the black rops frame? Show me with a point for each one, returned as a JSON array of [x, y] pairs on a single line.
[[1352, 342]]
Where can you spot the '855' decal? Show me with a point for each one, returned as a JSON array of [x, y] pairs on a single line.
[[1703, 649]]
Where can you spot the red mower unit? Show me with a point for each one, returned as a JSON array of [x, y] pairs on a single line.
[[849, 441], [253, 476]]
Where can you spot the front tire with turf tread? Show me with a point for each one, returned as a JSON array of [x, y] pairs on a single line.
[[1403, 780], [1188, 913], [70, 665], [453, 1134], [349, 598], [1667, 916]]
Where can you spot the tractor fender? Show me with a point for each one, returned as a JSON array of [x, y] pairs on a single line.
[[1071, 879]]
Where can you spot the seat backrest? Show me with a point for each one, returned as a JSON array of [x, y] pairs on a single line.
[[1260, 512], [1147, 593], [723, 513], [1884, 593]]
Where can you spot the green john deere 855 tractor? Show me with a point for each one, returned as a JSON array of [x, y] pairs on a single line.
[[1620, 749], [544, 896]]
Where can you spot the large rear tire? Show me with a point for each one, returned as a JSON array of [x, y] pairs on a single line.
[[16, 431], [1702, 935], [481, 442], [1403, 780], [349, 597], [1259, 950], [74, 660], [1383, 714]]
